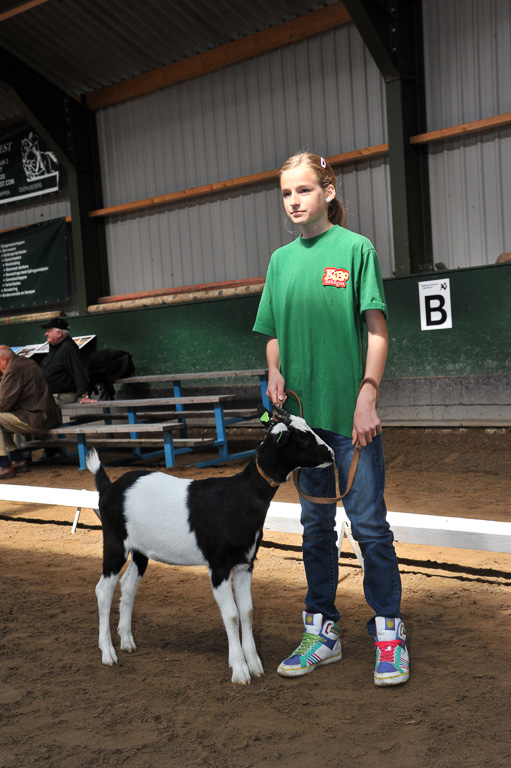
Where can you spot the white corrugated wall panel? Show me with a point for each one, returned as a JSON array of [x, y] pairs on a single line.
[[366, 194], [242, 120], [467, 53], [470, 183], [468, 77]]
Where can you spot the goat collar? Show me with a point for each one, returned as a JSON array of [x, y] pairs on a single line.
[[272, 483]]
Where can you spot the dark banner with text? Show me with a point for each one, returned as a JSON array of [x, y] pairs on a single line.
[[33, 266], [27, 167]]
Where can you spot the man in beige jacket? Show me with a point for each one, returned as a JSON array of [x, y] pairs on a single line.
[[26, 407]]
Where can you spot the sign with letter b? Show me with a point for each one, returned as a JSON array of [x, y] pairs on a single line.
[[435, 304]]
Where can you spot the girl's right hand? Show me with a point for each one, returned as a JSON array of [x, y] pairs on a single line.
[[276, 388]]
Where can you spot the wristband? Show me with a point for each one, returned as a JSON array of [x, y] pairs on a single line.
[[373, 383]]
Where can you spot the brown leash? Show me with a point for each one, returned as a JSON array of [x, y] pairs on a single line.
[[354, 459]]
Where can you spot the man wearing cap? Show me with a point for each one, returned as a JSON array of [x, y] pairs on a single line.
[[26, 407], [62, 366]]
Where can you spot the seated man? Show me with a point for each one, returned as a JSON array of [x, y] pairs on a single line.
[[62, 366], [26, 407]]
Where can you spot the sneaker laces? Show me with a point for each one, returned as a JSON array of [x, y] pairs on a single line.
[[308, 641], [387, 649]]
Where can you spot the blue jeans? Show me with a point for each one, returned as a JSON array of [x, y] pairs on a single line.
[[365, 508]]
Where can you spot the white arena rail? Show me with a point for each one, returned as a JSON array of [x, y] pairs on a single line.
[[62, 497], [434, 530]]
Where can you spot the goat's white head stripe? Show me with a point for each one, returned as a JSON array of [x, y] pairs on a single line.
[[298, 423]]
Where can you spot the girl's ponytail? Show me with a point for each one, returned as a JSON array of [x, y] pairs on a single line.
[[336, 212]]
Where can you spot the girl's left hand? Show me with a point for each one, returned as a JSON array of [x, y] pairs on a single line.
[[366, 422]]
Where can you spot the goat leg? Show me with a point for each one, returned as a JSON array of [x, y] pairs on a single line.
[[242, 581], [104, 592], [129, 585], [225, 601]]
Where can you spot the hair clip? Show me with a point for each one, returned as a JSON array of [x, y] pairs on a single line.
[[323, 162]]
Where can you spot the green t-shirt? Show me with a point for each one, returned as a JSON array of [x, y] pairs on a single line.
[[316, 292]]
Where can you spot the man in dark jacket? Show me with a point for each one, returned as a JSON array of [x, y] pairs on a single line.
[[26, 407], [62, 366]]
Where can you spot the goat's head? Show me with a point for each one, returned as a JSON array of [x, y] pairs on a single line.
[[289, 444]]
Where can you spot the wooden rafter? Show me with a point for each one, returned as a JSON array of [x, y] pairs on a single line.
[[286, 33], [20, 8]]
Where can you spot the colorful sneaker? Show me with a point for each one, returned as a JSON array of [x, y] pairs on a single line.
[[392, 660], [320, 645]]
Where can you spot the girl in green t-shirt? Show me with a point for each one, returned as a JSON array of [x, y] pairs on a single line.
[[323, 292]]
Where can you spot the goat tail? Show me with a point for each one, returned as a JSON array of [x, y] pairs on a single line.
[[95, 466]]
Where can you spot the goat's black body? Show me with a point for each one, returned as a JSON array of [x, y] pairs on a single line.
[[224, 538], [217, 522]]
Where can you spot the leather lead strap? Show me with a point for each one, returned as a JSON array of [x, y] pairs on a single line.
[[272, 483], [354, 460], [323, 499]]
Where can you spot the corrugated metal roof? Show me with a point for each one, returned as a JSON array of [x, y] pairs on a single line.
[[81, 46]]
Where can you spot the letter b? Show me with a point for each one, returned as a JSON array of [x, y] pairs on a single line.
[[435, 312]]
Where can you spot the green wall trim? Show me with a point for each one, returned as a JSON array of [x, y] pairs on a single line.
[[217, 335]]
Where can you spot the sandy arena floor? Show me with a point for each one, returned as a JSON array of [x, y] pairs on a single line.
[[172, 704]]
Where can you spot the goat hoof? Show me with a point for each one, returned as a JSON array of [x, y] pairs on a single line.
[[109, 658], [127, 642], [241, 677]]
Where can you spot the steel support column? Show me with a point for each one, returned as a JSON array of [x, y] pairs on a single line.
[[392, 32]]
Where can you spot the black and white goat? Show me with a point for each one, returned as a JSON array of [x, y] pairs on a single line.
[[217, 522]]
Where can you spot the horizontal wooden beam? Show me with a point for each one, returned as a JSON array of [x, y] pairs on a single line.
[[219, 286], [356, 155], [457, 131], [253, 288], [345, 158], [26, 226], [287, 33], [188, 194], [231, 184], [21, 8]]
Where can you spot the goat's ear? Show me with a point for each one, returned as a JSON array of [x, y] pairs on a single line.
[[265, 417], [280, 414], [262, 412]]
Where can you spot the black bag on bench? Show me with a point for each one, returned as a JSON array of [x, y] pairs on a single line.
[[105, 367]]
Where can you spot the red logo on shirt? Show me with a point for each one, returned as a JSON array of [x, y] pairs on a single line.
[[336, 277]]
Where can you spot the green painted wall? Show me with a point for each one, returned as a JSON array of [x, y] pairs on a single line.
[[217, 335], [479, 341]]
